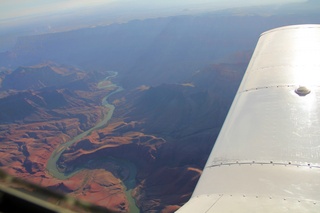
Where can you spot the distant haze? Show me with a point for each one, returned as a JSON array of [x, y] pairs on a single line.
[[13, 10], [43, 16]]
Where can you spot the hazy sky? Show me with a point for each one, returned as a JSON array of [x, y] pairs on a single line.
[[15, 9], [26, 17]]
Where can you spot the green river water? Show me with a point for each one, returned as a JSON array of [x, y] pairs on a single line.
[[130, 181]]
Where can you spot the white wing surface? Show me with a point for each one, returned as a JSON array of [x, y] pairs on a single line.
[[267, 156]]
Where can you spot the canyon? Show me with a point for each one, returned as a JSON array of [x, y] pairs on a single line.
[[66, 124], [148, 157]]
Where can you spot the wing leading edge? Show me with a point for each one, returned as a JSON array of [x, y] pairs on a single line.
[[267, 155]]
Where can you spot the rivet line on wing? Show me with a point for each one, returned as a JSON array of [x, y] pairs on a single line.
[[267, 87], [263, 163]]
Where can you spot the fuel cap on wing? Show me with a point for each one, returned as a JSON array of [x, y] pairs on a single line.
[[302, 91]]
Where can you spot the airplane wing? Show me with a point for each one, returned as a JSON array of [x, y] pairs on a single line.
[[267, 156]]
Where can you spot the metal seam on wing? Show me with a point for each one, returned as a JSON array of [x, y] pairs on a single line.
[[298, 89], [249, 196], [268, 87], [220, 196], [264, 163]]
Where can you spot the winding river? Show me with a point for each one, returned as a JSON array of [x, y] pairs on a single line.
[[52, 161]]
